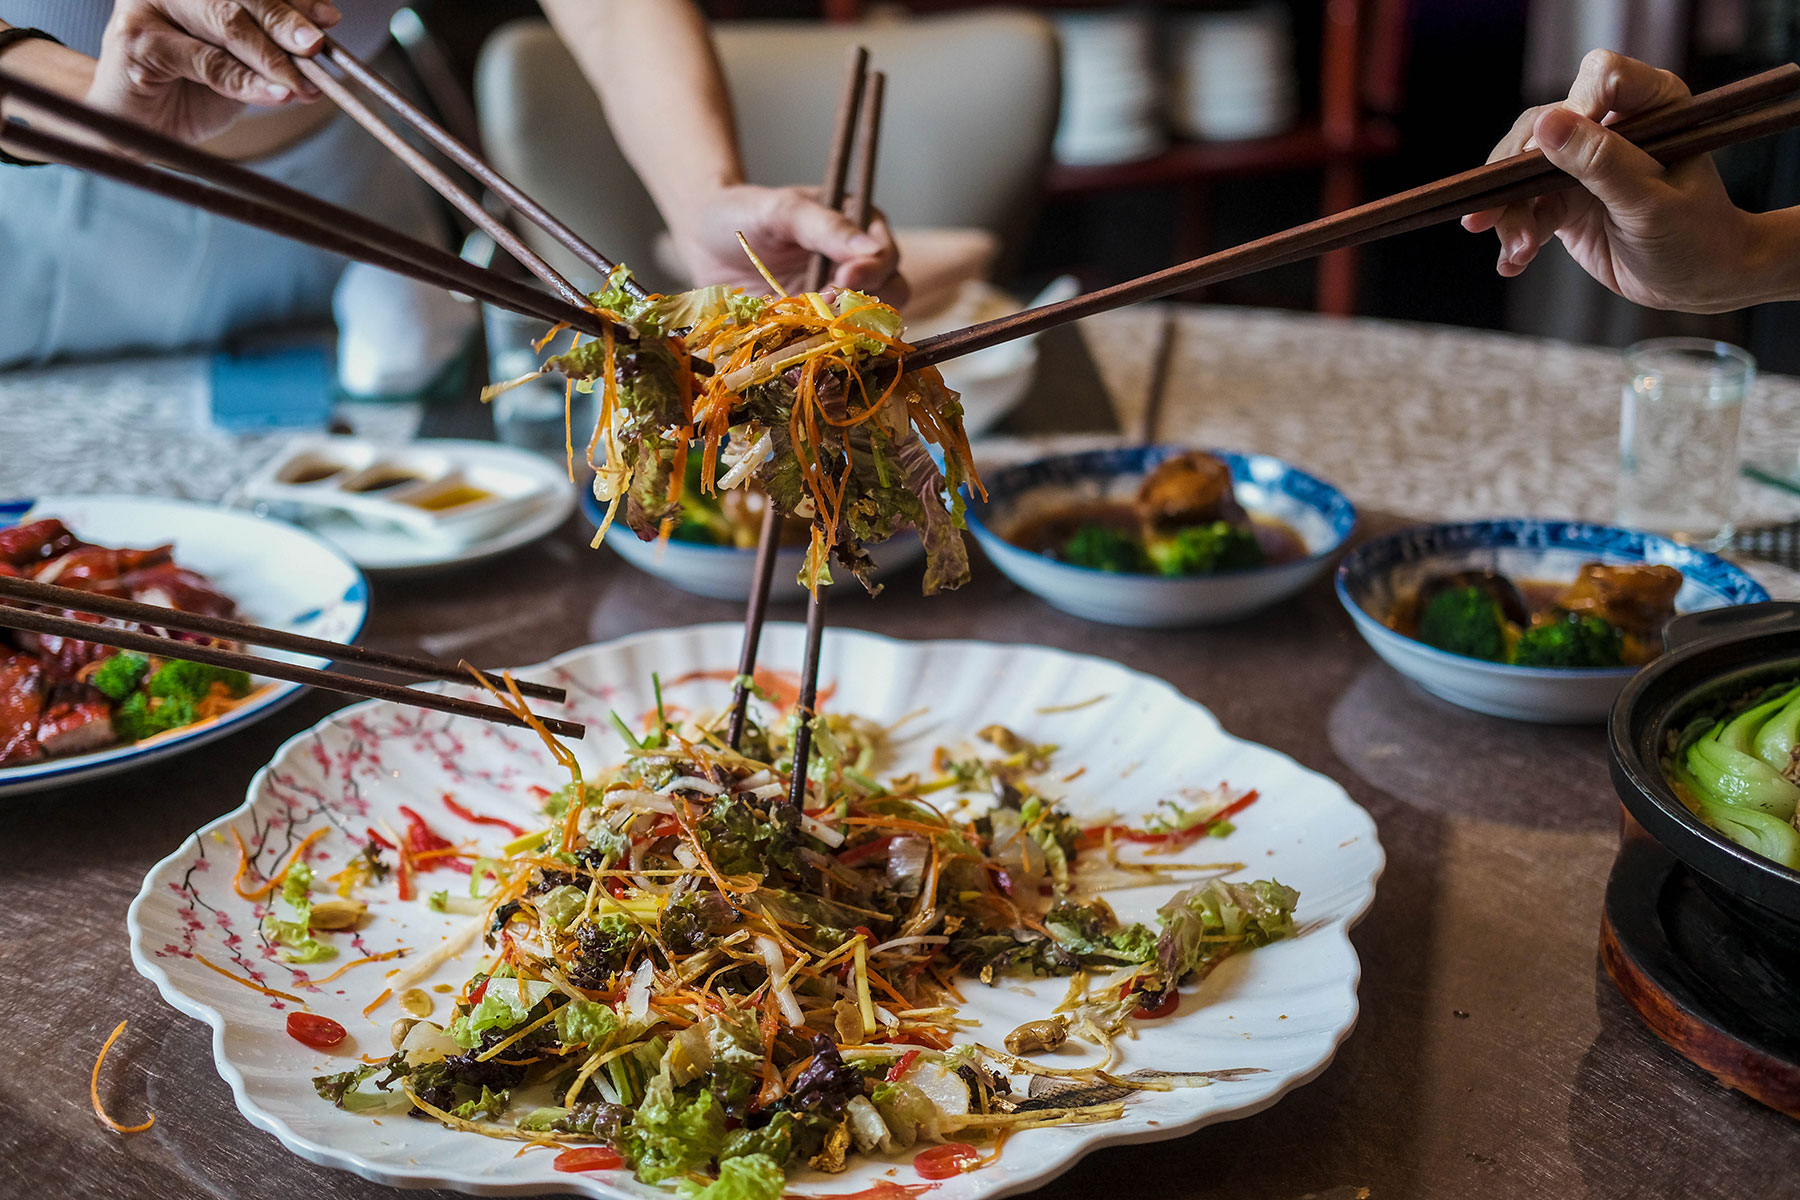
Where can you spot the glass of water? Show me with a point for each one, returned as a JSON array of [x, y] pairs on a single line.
[[530, 416], [1678, 437]]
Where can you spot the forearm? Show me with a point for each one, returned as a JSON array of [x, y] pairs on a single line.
[[1773, 262], [652, 63], [48, 65]]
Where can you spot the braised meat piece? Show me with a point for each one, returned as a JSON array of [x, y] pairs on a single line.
[[76, 719], [1189, 489], [100, 568], [64, 657], [174, 586], [21, 705], [1638, 598], [25, 545]]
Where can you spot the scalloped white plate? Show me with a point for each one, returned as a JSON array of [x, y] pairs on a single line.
[[1282, 1009], [281, 577]]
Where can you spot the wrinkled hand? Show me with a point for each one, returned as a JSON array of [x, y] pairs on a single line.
[[786, 226], [1667, 239], [187, 68]]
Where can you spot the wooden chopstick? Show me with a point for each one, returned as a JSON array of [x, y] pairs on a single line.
[[837, 161], [471, 162], [1722, 117], [860, 207], [768, 540], [231, 191], [868, 134], [437, 180], [144, 643], [32, 591]]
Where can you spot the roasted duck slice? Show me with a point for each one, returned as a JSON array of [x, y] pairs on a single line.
[[21, 706], [76, 719]]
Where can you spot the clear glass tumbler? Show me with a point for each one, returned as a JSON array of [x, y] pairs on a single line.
[[1678, 437], [530, 416]]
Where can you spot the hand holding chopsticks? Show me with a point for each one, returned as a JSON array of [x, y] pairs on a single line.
[[15, 592], [1739, 112]]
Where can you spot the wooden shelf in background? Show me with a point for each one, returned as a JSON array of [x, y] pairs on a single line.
[[1187, 162]]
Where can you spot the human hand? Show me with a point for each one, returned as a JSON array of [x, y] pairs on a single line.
[[786, 226], [1662, 238], [187, 68]]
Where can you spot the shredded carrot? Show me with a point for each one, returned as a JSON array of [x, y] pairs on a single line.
[[274, 881], [249, 983], [94, 1089], [378, 1001], [397, 952]]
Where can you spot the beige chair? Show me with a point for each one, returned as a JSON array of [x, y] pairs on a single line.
[[971, 109]]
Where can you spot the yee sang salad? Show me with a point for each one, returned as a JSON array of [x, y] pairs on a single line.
[[803, 400], [684, 977]]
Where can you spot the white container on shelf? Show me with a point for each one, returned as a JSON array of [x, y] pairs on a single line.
[[1231, 74], [1112, 96]]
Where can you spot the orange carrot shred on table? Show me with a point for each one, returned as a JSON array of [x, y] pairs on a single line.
[[94, 1089], [378, 1001]]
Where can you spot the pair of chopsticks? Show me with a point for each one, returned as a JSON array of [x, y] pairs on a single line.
[[147, 160], [15, 592], [1743, 111], [857, 133]]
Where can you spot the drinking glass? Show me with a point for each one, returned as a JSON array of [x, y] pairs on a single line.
[[1678, 437], [530, 416]]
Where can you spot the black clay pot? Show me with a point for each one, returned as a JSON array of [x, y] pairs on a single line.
[[1714, 658]]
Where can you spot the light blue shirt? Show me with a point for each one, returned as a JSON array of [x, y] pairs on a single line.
[[93, 268]]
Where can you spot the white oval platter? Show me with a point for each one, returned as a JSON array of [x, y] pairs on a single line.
[[1279, 1011]]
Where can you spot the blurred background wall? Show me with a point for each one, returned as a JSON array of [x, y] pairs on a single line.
[[1191, 125]]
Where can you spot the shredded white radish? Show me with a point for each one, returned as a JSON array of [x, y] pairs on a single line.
[[693, 783], [637, 996], [427, 965], [769, 791], [923, 939], [755, 783], [772, 957], [822, 831], [754, 457], [638, 801], [684, 854]]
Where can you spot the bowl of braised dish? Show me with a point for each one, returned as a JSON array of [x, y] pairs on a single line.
[[1533, 620], [1705, 748], [1160, 536]]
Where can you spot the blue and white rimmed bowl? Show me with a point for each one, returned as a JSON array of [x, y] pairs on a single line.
[[1265, 486], [726, 572], [1377, 574], [281, 577]]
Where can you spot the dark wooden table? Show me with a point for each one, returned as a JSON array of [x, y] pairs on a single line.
[[1492, 1058]]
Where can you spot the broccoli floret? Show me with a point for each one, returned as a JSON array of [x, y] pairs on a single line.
[[179, 679], [1103, 548], [1570, 640], [1204, 549], [1465, 621], [120, 675], [142, 716]]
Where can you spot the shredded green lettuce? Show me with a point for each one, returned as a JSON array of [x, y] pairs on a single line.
[[289, 917], [745, 1177]]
